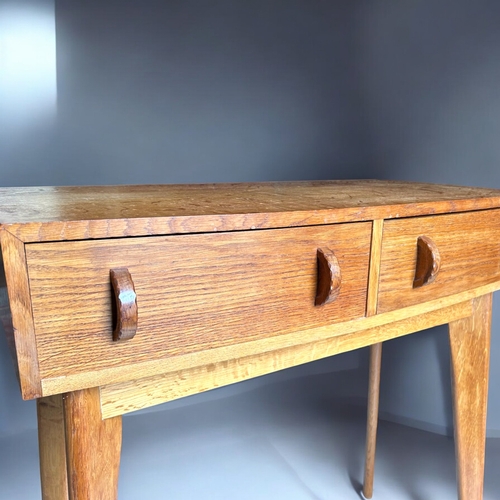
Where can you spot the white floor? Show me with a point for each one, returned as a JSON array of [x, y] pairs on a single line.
[[284, 441]]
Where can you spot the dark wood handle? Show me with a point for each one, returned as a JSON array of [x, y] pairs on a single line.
[[126, 304], [428, 262], [329, 277]]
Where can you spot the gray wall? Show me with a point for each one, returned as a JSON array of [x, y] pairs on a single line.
[[171, 91], [198, 91]]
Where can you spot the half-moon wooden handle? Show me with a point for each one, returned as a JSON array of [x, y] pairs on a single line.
[[126, 304], [428, 262], [329, 277]]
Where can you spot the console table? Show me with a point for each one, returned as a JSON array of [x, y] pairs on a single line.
[[116, 298]]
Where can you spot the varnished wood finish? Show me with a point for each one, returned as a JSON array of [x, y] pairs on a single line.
[[74, 213], [26, 356], [329, 277], [226, 278], [372, 417], [355, 328], [93, 447], [195, 293], [470, 348], [469, 247], [125, 397], [126, 304], [374, 363], [374, 271], [428, 262], [52, 448]]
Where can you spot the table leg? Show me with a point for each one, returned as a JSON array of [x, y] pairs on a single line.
[[372, 421], [470, 352], [79, 452], [52, 448], [93, 447]]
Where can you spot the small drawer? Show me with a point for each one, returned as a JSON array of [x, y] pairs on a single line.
[[458, 252], [194, 292]]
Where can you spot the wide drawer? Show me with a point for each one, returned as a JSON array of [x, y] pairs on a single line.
[[467, 246], [194, 292]]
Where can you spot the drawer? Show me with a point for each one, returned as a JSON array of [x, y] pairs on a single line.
[[467, 246], [194, 292]]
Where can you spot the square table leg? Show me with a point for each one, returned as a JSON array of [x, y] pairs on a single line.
[[470, 355], [79, 451], [52, 448]]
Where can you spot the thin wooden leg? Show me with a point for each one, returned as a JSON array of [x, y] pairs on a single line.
[[371, 428], [93, 447], [470, 354], [52, 448]]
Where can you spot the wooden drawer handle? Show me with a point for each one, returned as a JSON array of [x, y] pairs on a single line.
[[329, 277], [126, 304], [428, 262]]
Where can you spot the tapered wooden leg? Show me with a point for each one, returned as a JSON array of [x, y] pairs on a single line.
[[52, 448], [371, 428], [470, 353], [93, 447]]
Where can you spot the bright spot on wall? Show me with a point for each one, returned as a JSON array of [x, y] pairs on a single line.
[[28, 80]]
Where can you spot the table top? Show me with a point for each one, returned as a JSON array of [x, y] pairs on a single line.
[[81, 212]]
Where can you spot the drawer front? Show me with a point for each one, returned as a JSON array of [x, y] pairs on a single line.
[[468, 250], [194, 292]]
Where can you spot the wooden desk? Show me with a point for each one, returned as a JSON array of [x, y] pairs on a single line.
[[127, 297]]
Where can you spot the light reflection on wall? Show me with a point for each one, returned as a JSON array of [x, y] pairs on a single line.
[[28, 80]]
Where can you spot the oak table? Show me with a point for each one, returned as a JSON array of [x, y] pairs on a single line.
[[117, 298]]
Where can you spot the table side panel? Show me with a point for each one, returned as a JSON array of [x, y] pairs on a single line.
[[18, 317], [194, 292]]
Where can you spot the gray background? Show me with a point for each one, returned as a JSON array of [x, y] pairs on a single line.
[[199, 91]]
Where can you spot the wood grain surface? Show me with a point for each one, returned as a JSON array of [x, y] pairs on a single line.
[[375, 362], [329, 280], [16, 274], [355, 329], [469, 249], [374, 271], [216, 307], [126, 304], [372, 417], [194, 292], [52, 448], [470, 358], [93, 447], [117, 399], [73, 213], [428, 262]]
